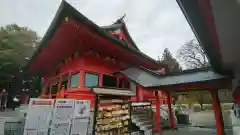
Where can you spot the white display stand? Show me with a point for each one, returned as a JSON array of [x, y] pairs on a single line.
[[38, 116]]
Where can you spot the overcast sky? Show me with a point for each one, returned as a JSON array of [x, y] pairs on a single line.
[[153, 24]]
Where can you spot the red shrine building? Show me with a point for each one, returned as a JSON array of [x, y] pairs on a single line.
[[75, 55]]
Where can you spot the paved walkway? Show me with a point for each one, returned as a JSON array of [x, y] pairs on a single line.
[[9, 113], [194, 131], [206, 121], [206, 118]]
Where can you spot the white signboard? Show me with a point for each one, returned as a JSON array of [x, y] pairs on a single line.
[[82, 108], [38, 116], [62, 117], [33, 132], [148, 132], [63, 111], [135, 133], [44, 132], [65, 115], [140, 103], [80, 126], [81, 117], [112, 91], [60, 129]]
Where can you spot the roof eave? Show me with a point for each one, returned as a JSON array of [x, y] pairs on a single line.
[[66, 9], [48, 34], [195, 19]]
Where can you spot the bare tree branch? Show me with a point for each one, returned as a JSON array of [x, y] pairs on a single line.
[[192, 55]]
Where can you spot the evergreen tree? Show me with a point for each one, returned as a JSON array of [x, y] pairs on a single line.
[[170, 61], [17, 45]]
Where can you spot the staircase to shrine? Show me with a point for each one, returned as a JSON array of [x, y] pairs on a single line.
[[143, 119]]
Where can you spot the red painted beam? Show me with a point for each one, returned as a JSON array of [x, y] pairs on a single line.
[[206, 10]]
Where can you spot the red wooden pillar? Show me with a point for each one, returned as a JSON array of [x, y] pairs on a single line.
[[137, 93], [26, 98], [42, 95], [61, 93], [170, 110], [140, 93], [100, 81], [217, 112], [81, 79], [158, 122]]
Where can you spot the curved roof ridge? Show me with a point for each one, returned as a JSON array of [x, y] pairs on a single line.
[[120, 24], [66, 10]]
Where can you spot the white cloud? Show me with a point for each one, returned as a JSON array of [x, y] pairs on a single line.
[[153, 24]]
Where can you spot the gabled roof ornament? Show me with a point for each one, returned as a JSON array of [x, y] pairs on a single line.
[[123, 16], [66, 19], [120, 19]]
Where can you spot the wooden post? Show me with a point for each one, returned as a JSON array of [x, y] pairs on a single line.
[[158, 113], [81, 79], [101, 80], [26, 98], [170, 110], [217, 112]]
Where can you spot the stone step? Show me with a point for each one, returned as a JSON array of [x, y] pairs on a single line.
[[140, 119], [144, 123], [138, 113], [146, 127], [141, 116]]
